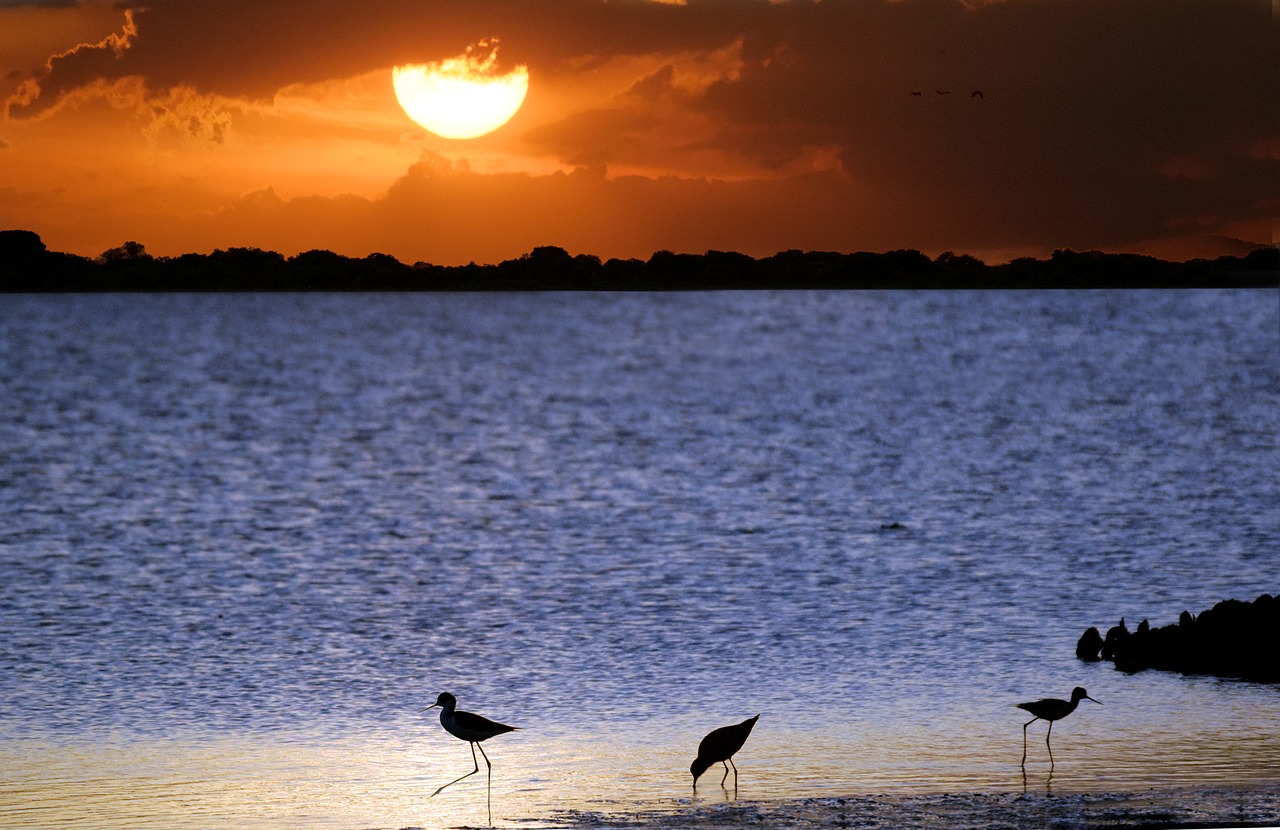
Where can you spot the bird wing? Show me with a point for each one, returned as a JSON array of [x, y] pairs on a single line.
[[1049, 708], [724, 742], [479, 723]]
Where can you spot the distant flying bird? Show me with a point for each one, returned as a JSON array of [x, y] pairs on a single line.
[[943, 91], [473, 729], [977, 93], [1051, 709], [916, 92], [719, 746]]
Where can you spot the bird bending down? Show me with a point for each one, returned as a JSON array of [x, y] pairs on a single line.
[[719, 746], [1051, 709], [473, 729]]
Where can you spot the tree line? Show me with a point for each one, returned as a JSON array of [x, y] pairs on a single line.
[[26, 265]]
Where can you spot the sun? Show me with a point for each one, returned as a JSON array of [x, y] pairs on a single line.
[[462, 97]]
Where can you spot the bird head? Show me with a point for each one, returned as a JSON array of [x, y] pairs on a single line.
[[1078, 694], [698, 767], [445, 700]]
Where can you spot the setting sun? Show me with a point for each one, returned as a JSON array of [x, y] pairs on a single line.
[[462, 97]]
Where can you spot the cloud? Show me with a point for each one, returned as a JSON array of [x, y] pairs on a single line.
[[78, 66], [180, 113], [746, 125], [442, 211]]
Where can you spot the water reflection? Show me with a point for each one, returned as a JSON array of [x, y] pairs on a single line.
[[240, 542], [1048, 780], [385, 780]]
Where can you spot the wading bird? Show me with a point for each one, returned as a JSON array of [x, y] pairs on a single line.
[[719, 746], [473, 729], [1051, 709]]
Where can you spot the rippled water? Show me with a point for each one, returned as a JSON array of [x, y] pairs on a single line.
[[246, 538]]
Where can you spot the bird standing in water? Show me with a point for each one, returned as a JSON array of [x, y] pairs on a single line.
[[1051, 709], [719, 746], [473, 729]]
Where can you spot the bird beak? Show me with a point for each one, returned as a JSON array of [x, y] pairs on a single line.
[[434, 705], [1099, 702]]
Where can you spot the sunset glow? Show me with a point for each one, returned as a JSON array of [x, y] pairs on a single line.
[[742, 125], [462, 97]]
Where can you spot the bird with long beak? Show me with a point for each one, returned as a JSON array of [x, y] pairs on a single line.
[[719, 747], [473, 729], [1051, 709]]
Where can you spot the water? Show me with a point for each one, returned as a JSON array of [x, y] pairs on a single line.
[[246, 538]]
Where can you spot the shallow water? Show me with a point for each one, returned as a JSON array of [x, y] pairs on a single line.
[[1181, 808], [248, 537]]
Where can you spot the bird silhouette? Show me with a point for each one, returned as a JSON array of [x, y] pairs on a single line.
[[473, 729], [1051, 709], [977, 93], [719, 746]]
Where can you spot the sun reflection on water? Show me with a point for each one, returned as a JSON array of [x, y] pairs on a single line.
[[384, 778]]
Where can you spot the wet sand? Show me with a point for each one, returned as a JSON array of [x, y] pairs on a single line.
[[1171, 808]]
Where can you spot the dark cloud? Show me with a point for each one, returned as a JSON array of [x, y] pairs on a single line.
[[1084, 105], [596, 136], [250, 48], [1100, 120], [457, 216], [76, 67]]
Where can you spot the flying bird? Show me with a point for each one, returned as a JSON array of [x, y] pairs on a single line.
[[1051, 709], [977, 93], [473, 729], [719, 746]]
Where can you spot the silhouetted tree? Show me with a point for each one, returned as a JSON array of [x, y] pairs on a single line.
[[128, 252], [23, 246], [27, 265]]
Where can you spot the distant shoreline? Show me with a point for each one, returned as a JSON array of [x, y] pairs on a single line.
[[27, 266]]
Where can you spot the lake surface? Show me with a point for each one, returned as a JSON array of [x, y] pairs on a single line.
[[247, 537]]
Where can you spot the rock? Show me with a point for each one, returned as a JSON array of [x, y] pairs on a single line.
[[1117, 636], [1232, 639], [1089, 645]]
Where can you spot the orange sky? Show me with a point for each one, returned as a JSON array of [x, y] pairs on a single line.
[[745, 125]]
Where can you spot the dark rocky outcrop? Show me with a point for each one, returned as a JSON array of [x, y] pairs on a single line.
[[1089, 645], [1232, 639], [1117, 636]]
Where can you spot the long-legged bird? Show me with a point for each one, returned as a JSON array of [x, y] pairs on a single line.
[[719, 746], [1051, 709], [473, 729]]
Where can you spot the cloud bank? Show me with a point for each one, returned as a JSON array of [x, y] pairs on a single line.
[[747, 125]]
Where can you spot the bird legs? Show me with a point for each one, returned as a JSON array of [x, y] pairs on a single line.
[[1047, 735], [489, 789], [727, 763]]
